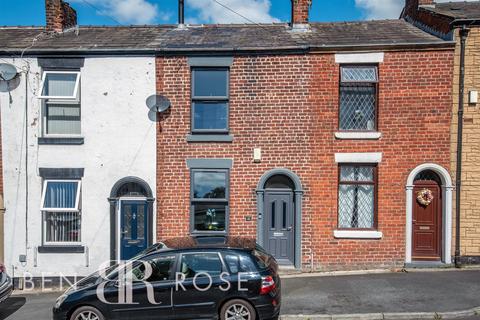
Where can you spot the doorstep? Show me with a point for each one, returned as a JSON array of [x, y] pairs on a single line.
[[428, 265], [285, 270]]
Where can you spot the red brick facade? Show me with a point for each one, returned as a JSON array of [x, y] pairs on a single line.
[[287, 105]]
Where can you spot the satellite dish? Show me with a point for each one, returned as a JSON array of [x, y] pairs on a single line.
[[7, 71], [158, 103]]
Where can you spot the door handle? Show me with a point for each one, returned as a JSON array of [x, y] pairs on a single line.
[[290, 228]]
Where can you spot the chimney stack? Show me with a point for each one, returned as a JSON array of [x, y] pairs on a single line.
[[426, 2], [60, 16], [411, 8], [300, 12]]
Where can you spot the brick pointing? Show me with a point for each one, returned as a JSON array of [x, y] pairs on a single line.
[[288, 106]]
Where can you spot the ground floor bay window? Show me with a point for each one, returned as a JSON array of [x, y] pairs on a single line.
[[61, 212]]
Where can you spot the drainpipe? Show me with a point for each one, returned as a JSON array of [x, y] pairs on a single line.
[[26, 162], [458, 183]]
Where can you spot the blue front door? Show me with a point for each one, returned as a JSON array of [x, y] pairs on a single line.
[[133, 228]]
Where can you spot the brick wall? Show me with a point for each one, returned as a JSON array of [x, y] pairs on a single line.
[[288, 106], [470, 195]]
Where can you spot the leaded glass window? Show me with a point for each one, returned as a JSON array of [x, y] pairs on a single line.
[[358, 98], [356, 197], [209, 200]]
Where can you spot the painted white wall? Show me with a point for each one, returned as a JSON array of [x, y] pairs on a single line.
[[120, 141]]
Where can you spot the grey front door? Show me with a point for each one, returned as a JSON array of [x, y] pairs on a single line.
[[279, 226]]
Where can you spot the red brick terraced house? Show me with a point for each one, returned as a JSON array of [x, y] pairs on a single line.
[[315, 138], [327, 142]]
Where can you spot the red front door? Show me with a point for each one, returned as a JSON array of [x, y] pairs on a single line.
[[427, 223]]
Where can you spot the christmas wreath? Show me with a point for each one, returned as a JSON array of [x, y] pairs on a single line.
[[425, 197]]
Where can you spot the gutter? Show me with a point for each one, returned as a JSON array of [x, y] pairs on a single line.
[[241, 50], [465, 22], [458, 179]]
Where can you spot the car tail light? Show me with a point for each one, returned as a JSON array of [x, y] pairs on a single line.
[[268, 284], [2, 268]]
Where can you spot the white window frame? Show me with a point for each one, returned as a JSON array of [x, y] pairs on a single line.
[[56, 210], [59, 243], [45, 120], [77, 199], [67, 98]]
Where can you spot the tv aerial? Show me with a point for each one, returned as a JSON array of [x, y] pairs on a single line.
[[158, 103], [7, 72]]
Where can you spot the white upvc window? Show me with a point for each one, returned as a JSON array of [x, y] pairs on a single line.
[[63, 85], [60, 92], [61, 209]]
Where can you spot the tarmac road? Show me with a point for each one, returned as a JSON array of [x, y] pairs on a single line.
[[371, 293]]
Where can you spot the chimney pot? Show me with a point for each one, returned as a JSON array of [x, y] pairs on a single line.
[[60, 15]]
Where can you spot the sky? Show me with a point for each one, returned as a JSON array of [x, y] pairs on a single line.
[[126, 12]]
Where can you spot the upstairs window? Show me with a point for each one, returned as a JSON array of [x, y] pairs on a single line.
[[60, 91], [60, 85], [358, 98], [61, 211], [210, 95]]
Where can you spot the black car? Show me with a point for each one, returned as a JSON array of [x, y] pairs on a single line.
[[227, 278], [6, 286]]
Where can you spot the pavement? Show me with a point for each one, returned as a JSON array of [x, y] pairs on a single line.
[[414, 295], [441, 291]]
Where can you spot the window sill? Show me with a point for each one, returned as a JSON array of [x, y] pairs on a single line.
[[208, 233], [61, 140], [209, 138], [358, 135], [357, 234], [61, 249]]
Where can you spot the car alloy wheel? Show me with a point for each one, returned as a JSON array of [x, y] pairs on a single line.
[[87, 313], [238, 310]]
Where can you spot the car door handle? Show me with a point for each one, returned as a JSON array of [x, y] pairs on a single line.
[[290, 228]]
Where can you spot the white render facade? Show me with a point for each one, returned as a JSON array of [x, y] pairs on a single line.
[[116, 143]]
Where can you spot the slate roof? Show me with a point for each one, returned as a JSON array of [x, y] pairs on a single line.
[[457, 10], [207, 38]]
